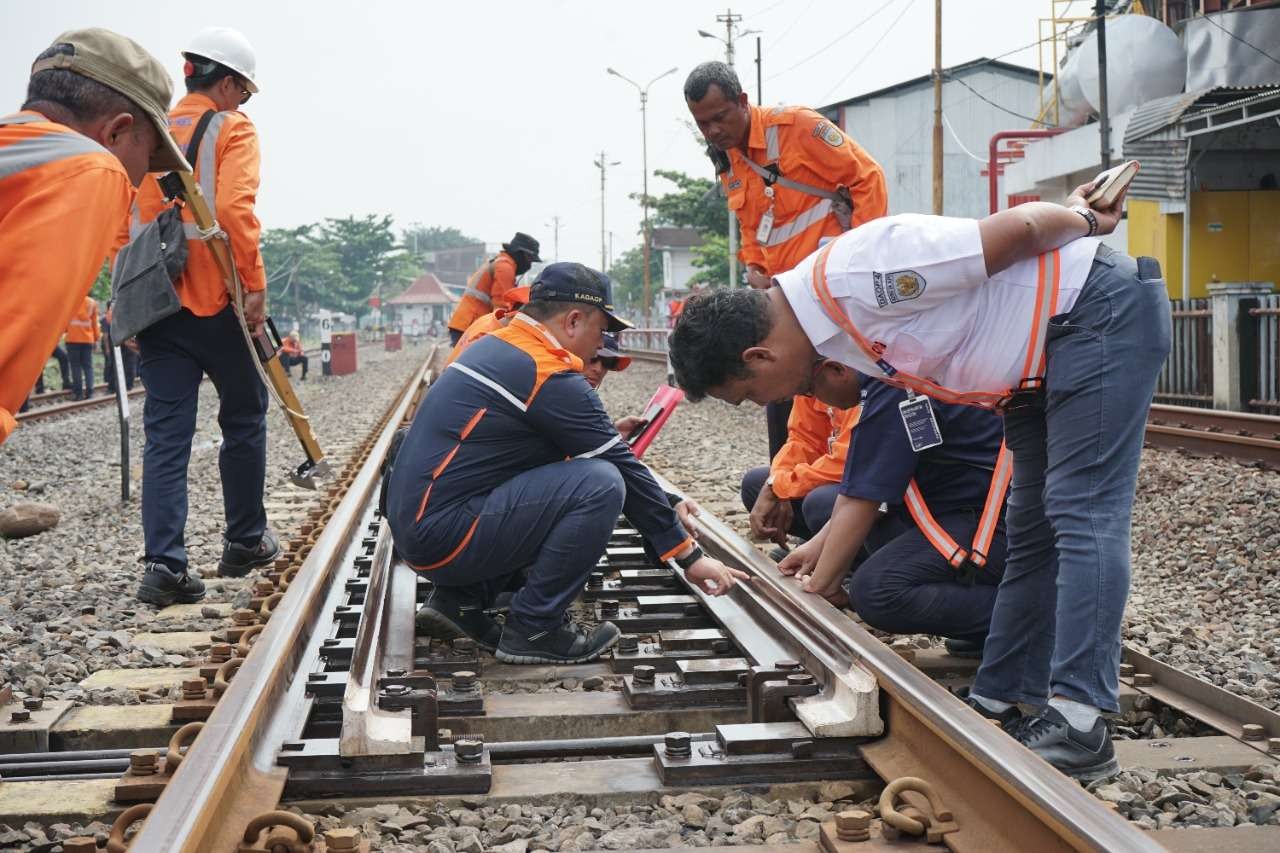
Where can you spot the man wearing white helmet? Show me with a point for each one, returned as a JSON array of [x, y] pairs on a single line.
[[203, 338]]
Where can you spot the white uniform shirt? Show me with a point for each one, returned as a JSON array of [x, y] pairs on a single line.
[[918, 285]]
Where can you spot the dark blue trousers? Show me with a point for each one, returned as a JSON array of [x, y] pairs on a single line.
[[906, 587], [175, 354], [81, 356], [550, 523], [809, 515]]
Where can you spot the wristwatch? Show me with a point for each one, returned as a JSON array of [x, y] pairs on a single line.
[[1089, 217], [686, 563]]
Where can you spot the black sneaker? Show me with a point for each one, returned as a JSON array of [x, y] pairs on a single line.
[[453, 612], [238, 560], [163, 586], [566, 643], [1006, 718], [963, 648], [1084, 756]]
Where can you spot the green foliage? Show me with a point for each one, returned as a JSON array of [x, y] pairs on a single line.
[[627, 273], [101, 289], [419, 238], [696, 203], [712, 261], [369, 257], [303, 271]]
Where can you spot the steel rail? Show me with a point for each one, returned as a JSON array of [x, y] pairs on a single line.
[[1014, 800], [229, 774], [1246, 436], [55, 409]]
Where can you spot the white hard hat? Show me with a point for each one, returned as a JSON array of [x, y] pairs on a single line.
[[228, 47]]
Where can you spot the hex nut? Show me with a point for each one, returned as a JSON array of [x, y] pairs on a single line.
[[643, 674], [343, 838]]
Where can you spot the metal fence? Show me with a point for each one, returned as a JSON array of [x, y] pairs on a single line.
[[1187, 378], [1265, 323], [644, 340]]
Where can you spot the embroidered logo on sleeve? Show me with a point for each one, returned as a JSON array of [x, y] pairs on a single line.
[[829, 134], [897, 286]]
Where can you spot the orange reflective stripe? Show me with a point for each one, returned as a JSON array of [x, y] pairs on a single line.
[[688, 540], [986, 531], [471, 424], [940, 539], [455, 552], [422, 507]]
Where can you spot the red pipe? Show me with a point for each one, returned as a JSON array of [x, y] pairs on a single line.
[[992, 178]]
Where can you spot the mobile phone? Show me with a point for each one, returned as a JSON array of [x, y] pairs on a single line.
[[1108, 185], [649, 417]]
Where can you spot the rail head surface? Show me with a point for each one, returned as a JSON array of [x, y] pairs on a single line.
[[1073, 814], [201, 809]]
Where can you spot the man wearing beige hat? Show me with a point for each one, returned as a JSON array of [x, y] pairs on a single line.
[[92, 126]]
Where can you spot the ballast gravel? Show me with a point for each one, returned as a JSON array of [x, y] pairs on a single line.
[[67, 606]]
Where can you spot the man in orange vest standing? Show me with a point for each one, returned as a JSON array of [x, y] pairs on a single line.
[[82, 333], [92, 126], [793, 180], [204, 337], [487, 287]]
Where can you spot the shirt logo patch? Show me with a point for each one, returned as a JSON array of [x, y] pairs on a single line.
[[734, 184], [902, 285], [829, 134]]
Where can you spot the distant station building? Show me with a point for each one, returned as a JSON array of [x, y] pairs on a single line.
[[895, 125], [423, 303], [675, 247]]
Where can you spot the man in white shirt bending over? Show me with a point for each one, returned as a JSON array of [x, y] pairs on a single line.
[[1024, 312]]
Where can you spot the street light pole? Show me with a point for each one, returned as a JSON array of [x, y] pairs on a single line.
[[644, 154], [601, 164], [555, 223]]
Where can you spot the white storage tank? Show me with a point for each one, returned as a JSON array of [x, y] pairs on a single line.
[[1145, 60]]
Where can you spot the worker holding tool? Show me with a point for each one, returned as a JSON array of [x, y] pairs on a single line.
[[792, 178], [1024, 311], [488, 286], [204, 337], [794, 494], [511, 465], [92, 126], [83, 333]]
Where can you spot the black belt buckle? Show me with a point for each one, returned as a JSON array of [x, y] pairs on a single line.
[[1027, 394]]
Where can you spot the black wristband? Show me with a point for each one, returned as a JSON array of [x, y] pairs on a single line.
[[686, 563]]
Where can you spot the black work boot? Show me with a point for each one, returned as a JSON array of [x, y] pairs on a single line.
[[568, 642], [1006, 718], [238, 560], [1084, 756], [452, 612], [963, 648], [163, 586]]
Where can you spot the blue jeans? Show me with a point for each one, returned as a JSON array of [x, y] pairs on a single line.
[[550, 523], [809, 514], [81, 356], [1076, 449], [906, 587], [175, 353]]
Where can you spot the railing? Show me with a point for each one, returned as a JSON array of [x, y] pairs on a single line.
[[1266, 317], [644, 340], [1187, 378]]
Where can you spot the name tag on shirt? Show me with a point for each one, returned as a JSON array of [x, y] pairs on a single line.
[[922, 425], [766, 227]]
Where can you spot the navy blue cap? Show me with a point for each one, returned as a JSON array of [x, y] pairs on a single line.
[[611, 347], [572, 282]]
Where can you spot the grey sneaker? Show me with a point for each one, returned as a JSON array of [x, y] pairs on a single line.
[[163, 586], [566, 643], [238, 560]]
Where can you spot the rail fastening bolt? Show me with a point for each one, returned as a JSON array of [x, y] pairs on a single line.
[[343, 838], [629, 644], [643, 674], [1253, 731], [142, 762], [464, 646], [799, 679], [678, 745], [721, 647], [220, 653], [787, 665], [193, 689], [595, 580], [395, 673], [263, 588], [1143, 679], [608, 608], [244, 617], [33, 703], [468, 750], [1126, 670], [1273, 745], [464, 681], [21, 715], [853, 825]]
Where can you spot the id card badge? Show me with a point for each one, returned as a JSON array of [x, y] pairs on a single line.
[[922, 425], [766, 227]]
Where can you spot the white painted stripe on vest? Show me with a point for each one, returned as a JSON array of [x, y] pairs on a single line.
[[21, 119], [484, 380], [208, 162], [771, 149], [782, 233], [477, 294], [39, 150], [601, 449]]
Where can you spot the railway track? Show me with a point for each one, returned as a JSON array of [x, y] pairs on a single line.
[[321, 692], [70, 407]]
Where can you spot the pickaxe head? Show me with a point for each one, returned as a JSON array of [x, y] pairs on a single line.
[[308, 472]]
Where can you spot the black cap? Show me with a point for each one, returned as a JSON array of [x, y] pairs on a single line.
[[522, 242], [570, 282], [611, 347]]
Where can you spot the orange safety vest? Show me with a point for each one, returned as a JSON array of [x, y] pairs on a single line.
[[485, 292], [1048, 282], [83, 327]]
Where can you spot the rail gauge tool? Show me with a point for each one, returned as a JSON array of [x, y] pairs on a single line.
[[265, 341]]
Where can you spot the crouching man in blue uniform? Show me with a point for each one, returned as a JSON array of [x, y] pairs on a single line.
[[930, 569], [513, 467]]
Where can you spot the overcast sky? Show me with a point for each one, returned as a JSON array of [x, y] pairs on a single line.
[[487, 115]]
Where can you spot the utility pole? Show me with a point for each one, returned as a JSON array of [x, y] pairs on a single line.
[[1104, 124], [937, 107], [759, 77], [555, 224], [602, 164], [729, 19]]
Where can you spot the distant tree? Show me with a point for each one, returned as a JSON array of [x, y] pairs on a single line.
[[712, 261], [419, 238], [368, 256], [303, 272], [101, 289], [627, 273], [696, 203]]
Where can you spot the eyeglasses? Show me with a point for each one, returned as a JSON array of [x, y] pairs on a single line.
[[245, 94], [609, 362]]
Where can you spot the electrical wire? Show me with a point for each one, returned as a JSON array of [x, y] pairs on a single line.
[[833, 42], [1241, 40], [795, 20], [946, 122], [870, 51], [994, 104]]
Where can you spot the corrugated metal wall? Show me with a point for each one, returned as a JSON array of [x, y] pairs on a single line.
[[896, 128]]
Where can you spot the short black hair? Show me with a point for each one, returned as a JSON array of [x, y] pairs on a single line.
[[713, 331], [206, 74], [86, 100], [708, 74]]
